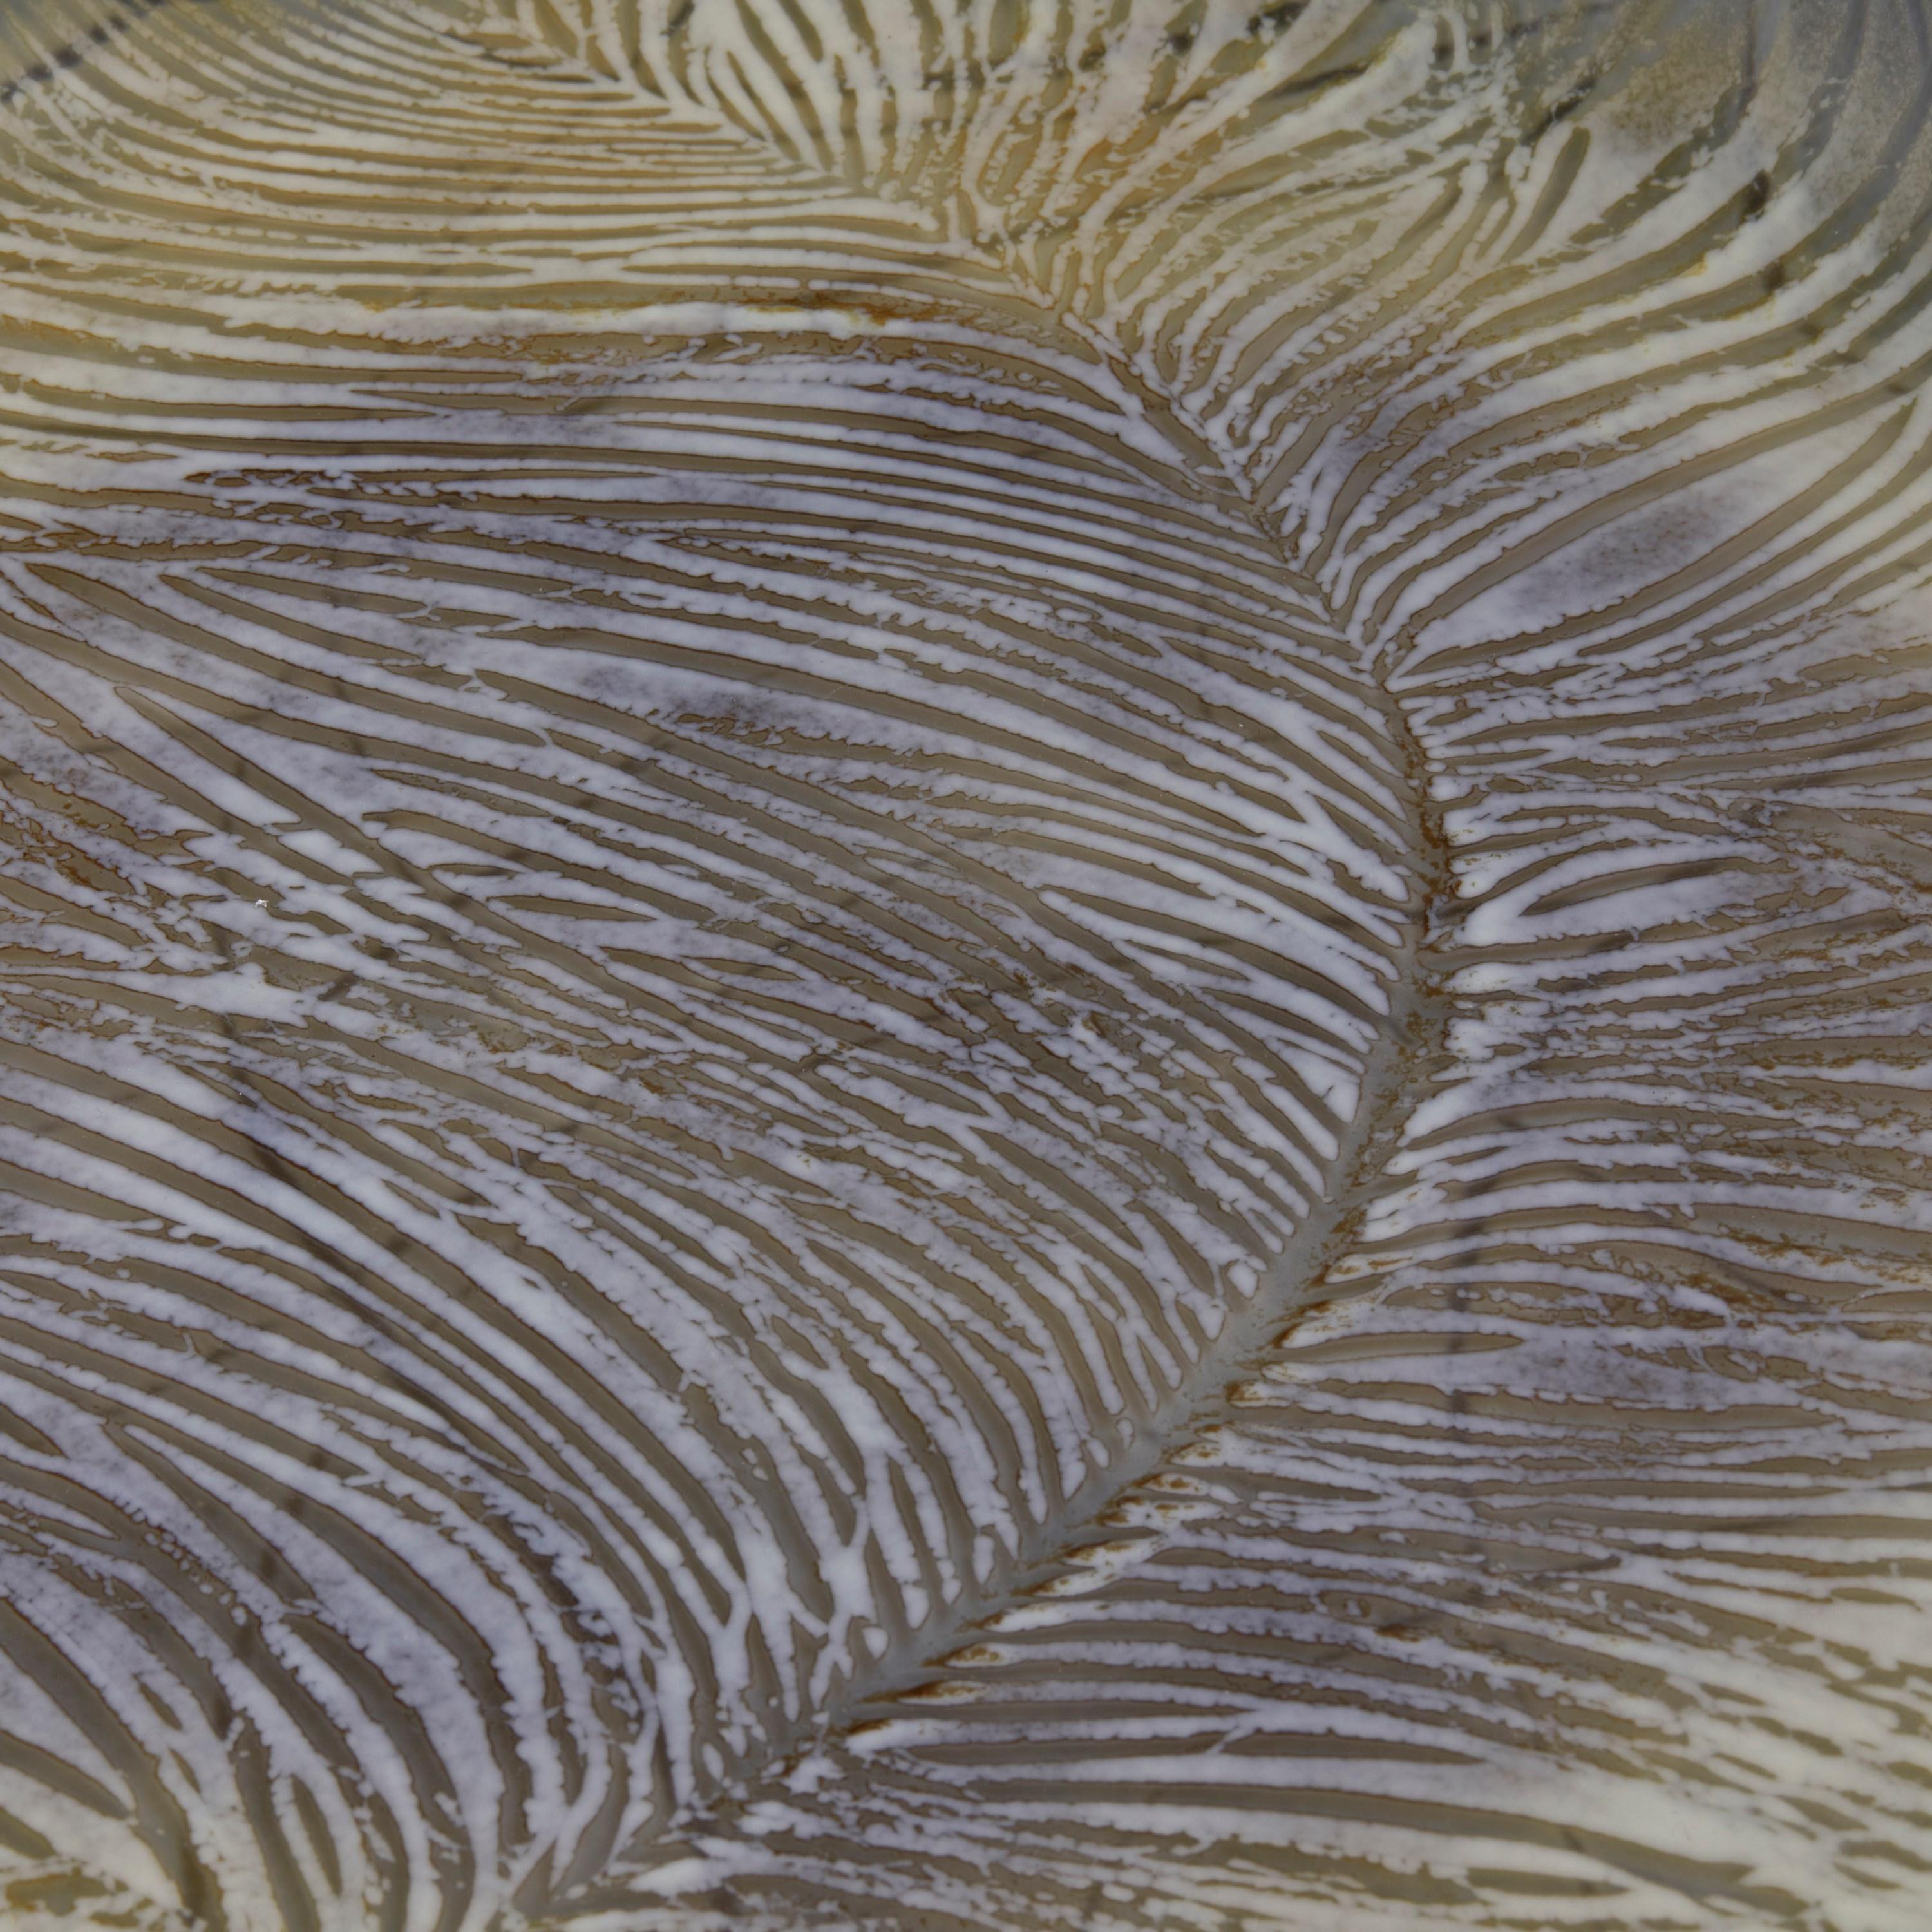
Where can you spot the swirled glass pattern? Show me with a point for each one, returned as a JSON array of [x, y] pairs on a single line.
[[965, 965]]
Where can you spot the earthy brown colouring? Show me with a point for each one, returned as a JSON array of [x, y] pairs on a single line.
[[965, 965]]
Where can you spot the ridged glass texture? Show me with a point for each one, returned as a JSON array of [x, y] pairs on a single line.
[[965, 965]]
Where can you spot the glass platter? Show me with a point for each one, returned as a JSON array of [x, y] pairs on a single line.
[[965, 965]]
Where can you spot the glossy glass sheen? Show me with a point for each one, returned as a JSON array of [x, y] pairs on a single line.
[[965, 965]]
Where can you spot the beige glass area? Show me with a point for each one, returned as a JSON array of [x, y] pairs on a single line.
[[965, 965]]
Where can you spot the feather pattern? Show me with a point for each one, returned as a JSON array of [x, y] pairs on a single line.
[[964, 964]]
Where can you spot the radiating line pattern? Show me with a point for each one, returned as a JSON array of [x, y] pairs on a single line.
[[965, 965]]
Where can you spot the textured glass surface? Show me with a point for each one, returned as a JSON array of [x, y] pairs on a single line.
[[966, 965]]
